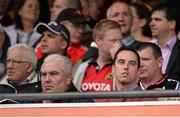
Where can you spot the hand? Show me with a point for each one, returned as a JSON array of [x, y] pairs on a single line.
[[114, 49]]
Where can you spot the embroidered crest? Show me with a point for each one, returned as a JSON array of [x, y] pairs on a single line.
[[109, 76]]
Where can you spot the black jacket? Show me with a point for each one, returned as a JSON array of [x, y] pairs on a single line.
[[72, 88], [33, 86], [173, 67], [3, 56]]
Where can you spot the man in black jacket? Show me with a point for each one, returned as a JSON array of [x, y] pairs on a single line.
[[21, 76], [56, 77], [4, 45]]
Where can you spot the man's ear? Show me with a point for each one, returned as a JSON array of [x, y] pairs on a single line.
[[172, 24], [64, 44], [30, 67], [69, 79], [160, 62], [142, 22], [98, 41]]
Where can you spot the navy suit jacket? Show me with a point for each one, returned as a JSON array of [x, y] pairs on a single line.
[[173, 67]]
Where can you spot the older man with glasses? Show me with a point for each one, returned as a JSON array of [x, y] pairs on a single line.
[[21, 78]]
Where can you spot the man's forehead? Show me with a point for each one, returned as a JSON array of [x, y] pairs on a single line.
[[126, 54], [52, 33], [145, 52], [52, 63], [159, 13], [120, 6]]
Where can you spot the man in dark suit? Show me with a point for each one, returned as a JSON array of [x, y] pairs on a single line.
[[164, 27]]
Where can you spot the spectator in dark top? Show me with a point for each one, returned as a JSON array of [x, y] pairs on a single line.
[[165, 26], [55, 40], [5, 18], [56, 77], [4, 45], [150, 73], [44, 11], [21, 76]]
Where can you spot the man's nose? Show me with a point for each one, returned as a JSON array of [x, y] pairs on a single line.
[[151, 23], [44, 38], [125, 66], [47, 78], [141, 64], [9, 64]]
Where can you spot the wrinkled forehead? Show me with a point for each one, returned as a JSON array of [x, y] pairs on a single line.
[[17, 55], [49, 66], [117, 8]]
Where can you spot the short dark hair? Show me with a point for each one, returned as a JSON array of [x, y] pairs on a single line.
[[127, 49], [155, 48], [171, 13]]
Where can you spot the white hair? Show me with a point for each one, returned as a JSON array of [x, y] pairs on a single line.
[[65, 61], [27, 52]]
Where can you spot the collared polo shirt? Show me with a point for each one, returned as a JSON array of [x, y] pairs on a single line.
[[164, 84]]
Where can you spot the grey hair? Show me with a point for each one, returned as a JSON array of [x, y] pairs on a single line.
[[27, 52], [64, 61]]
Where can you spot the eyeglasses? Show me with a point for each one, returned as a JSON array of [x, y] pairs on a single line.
[[8, 61]]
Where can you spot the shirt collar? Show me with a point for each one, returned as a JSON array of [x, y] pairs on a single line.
[[29, 78], [155, 85], [128, 40], [170, 43]]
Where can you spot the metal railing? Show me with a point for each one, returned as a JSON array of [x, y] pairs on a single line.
[[77, 95]]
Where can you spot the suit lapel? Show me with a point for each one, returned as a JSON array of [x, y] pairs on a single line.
[[173, 57]]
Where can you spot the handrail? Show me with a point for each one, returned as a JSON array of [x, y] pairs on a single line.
[[77, 95]]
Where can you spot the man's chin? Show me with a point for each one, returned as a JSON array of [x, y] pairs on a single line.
[[143, 76], [48, 91], [11, 78], [45, 52]]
